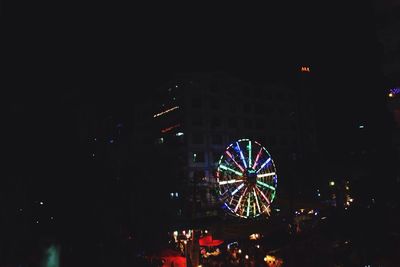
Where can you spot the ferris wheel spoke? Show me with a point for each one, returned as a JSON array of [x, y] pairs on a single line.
[[265, 175], [263, 195], [237, 189], [256, 197], [257, 157], [263, 165], [266, 185], [249, 148], [230, 182], [237, 164], [241, 155], [240, 199], [231, 170], [248, 206]]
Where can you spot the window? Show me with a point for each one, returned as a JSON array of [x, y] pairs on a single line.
[[214, 105], [232, 123], [233, 108], [198, 175], [197, 138], [196, 102], [216, 156], [197, 121], [215, 122], [216, 139], [248, 123], [247, 107], [197, 157]]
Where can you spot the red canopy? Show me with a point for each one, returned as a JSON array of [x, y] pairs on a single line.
[[208, 241]]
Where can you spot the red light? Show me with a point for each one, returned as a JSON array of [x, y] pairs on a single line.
[[170, 128]]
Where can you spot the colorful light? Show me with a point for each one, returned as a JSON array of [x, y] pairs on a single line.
[[231, 170], [237, 164], [230, 182], [265, 163], [165, 111], [252, 200], [241, 155], [256, 161], [237, 189], [255, 196], [248, 206], [170, 128], [305, 69], [266, 185], [249, 153], [265, 175]]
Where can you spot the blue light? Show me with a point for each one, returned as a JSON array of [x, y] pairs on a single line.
[[237, 189], [241, 155]]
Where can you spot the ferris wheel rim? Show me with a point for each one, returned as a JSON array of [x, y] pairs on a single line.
[[240, 173]]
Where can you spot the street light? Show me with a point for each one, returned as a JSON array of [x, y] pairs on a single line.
[[331, 183]]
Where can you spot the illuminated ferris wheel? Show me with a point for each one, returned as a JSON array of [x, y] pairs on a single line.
[[247, 179]]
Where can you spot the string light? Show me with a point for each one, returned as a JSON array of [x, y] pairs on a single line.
[[165, 111]]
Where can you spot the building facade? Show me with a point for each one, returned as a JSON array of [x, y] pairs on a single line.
[[190, 120]]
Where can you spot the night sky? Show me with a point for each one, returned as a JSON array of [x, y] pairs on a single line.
[[58, 57]]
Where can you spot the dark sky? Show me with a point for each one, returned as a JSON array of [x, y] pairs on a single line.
[[57, 55]]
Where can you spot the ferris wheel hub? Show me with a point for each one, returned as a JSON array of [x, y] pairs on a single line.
[[250, 176]]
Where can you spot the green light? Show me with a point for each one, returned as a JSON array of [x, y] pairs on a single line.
[[52, 257], [273, 195], [249, 153], [266, 185], [229, 169]]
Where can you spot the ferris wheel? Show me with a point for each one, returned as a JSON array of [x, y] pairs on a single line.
[[247, 179]]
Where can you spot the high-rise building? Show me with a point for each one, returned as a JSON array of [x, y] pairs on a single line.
[[188, 122]]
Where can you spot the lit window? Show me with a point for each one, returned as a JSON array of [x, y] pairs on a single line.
[[198, 157]]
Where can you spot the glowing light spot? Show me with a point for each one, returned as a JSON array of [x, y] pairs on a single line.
[[170, 128], [165, 111], [305, 69], [266, 185], [230, 182], [265, 163], [249, 147], [237, 189], [237, 164], [241, 154], [265, 175], [231, 170]]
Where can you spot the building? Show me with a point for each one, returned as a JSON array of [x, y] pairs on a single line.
[[186, 124]]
